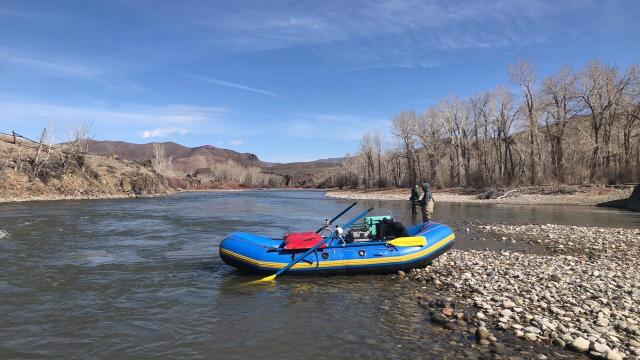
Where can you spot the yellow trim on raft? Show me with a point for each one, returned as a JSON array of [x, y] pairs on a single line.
[[334, 263]]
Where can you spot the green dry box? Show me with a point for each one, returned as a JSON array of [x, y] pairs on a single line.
[[371, 221]]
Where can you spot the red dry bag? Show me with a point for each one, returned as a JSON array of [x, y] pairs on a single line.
[[302, 241]]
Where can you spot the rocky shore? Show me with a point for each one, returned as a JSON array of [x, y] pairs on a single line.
[[542, 195], [583, 294]]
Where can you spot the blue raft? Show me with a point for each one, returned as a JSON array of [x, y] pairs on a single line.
[[267, 255]]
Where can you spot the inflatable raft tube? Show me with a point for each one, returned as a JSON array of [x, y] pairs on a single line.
[[259, 254]]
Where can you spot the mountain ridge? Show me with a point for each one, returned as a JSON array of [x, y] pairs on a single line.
[[186, 159]]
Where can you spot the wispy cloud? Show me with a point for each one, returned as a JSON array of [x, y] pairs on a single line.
[[231, 85], [236, 142], [336, 126], [50, 65], [162, 120], [163, 132], [55, 66], [6, 12], [387, 33]]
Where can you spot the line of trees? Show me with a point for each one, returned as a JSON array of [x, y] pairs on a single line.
[[572, 127], [232, 173]]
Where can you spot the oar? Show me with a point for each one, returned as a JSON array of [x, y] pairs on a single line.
[[314, 248], [322, 228], [409, 241], [337, 216]]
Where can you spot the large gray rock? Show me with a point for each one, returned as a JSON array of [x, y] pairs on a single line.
[[580, 344], [614, 355], [601, 348]]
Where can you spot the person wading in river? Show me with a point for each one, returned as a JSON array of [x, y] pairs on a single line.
[[415, 197], [427, 203]]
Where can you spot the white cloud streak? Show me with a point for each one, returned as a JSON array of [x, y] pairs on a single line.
[[231, 85], [127, 115], [236, 142], [341, 126], [50, 65], [26, 15], [163, 132]]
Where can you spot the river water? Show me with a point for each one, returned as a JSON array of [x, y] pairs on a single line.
[[141, 278]]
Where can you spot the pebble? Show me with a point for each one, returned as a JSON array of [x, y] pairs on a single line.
[[438, 318], [558, 342], [482, 333], [447, 311], [601, 348], [532, 329], [506, 313]]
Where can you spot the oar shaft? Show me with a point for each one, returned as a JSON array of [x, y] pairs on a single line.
[[337, 216]]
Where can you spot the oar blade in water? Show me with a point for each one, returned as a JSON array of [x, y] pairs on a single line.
[[267, 279]]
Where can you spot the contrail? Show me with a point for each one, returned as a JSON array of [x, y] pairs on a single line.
[[232, 85]]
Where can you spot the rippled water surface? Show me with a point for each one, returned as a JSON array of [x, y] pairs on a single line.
[[140, 278]]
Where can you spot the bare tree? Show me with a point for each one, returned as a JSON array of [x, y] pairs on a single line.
[[161, 163], [431, 135], [367, 152], [631, 129], [455, 114], [523, 74], [602, 89], [403, 128], [505, 118], [483, 110], [377, 146], [559, 96]]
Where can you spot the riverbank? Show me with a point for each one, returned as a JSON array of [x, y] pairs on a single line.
[[33, 172], [541, 195], [582, 294]]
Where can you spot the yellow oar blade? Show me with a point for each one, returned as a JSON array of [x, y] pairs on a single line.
[[269, 278], [409, 241]]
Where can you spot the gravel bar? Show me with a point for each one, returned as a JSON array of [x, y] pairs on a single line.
[[582, 295]]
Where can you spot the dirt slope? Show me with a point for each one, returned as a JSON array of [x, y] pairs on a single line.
[[26, 174]]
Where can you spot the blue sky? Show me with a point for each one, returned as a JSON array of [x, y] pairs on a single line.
[[286, 80]]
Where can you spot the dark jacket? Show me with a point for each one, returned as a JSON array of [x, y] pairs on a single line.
[[415, 194], [427, 194]]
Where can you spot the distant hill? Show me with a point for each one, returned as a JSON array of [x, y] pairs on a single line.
[[307, 173], [304, 167], [184, 159]]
